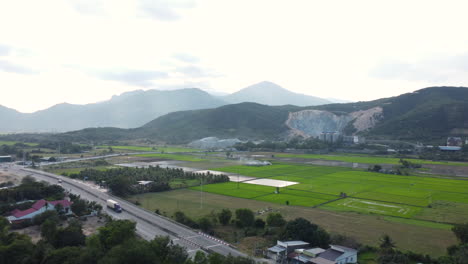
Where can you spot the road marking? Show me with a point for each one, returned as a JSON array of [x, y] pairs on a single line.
[[191, 236], [214, 245]]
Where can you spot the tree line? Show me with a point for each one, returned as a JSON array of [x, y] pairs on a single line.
[[124, 181]]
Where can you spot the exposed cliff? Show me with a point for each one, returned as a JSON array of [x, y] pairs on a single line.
[[313, 122]]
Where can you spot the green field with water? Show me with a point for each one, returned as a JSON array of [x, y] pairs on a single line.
[[367, 159], [366, 192]]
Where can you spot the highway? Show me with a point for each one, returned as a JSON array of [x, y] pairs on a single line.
[[148, 225]]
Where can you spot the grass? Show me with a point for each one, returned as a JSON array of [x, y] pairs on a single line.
[[78, 170], [367, 192], [368, 258], [171, 157], [155, 148], [11, 143], [366, 206], [419, 223], [366, 228], [367, 159]]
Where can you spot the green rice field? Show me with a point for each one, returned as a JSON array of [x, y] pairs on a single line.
[[366, 192], [367, 159]]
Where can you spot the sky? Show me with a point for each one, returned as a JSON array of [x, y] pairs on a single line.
[[85, 51]]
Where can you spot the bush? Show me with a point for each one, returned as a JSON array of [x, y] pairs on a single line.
[[250, 232], [275, 220], [51, 215], [259, 223], [245, 217], [205, 224], [224, 216]]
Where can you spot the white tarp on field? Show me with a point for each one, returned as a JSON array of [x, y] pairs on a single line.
[[239, 178], [271, 182]]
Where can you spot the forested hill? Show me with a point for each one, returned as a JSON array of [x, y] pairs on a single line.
[[424, 115], [244, 120], [429, 113]]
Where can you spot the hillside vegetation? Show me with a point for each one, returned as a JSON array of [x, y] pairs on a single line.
[[426, 115]]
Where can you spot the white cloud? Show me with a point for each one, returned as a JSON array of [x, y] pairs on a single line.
[[357, 50]]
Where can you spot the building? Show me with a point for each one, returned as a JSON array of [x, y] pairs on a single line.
[[336, 255], [454, 141], [282, 249], [449, 148], [38, 208], [353, 140], [331, 136], [6, 159], [296, 252], [301, 256]]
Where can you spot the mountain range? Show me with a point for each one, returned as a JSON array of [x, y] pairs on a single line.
[[428, 115], [134, 109]]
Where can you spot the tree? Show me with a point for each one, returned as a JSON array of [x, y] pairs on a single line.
[[120, 185], [375, 168], [116, 232], [69, 255], [259, 223], [245, 217], [48, 230], [79, 207], [458, 254], [70, 236], [386, 242], [275, 220], [132, 251], [200, 258], [225, 216], [205, 224], [461, 232], [166, 252], [301, 229]]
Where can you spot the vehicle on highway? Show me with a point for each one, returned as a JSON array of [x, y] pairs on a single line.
[[59, 181], [114, 206]]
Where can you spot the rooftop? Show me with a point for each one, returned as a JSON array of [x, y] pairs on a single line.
[[331, 254], [314, 251], [293, 243], [64, 203], [453, 148], [277, 249], [343, 249], [320, 260]]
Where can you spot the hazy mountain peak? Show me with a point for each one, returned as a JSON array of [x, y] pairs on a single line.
[[270, 93]]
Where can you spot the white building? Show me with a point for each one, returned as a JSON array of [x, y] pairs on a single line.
[[38, 208]]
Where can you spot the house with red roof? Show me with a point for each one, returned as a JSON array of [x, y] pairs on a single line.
[[38, 208]]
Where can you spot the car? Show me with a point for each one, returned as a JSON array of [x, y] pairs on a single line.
[[60, 181]]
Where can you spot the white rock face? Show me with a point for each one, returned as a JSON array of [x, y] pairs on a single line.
[[311, 123], [367, 119]]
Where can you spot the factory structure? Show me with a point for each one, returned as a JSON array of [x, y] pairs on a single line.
[[335, 136]]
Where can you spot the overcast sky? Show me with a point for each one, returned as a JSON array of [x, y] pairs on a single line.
[[84, 51]]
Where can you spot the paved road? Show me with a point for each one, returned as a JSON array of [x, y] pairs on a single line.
[[149, 224]]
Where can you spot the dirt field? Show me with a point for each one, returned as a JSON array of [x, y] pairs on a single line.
[[6, 177], [90, 227]]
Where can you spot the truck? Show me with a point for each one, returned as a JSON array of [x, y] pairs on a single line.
[[114, 206]]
